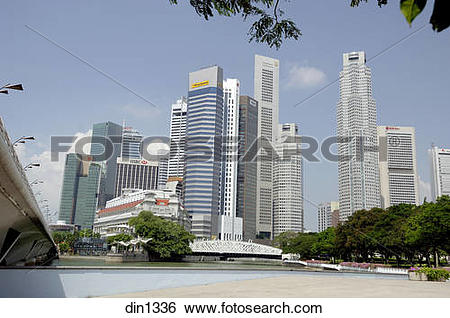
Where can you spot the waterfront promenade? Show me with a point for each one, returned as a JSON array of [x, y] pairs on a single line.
[[301, 286]]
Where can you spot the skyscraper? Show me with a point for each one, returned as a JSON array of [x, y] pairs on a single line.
[[204, 150], [357, 137], [131, 143], [440, 172], [398, 166], [266, 92], [247, 173], [108, 164], [287, 182], [327, 215], [136, 174], [177, 138], [79, 190], [230, 226]]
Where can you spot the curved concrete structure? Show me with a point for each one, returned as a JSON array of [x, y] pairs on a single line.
[[24, 235], [234, 248]]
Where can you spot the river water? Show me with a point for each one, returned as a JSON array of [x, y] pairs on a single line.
[[95, 277]]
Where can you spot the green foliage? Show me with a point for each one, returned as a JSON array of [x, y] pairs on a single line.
[[269, 27], [412, 8], [298, 243], [326, 242], [168, 239], [122, 237], [440, 18], [402, 231], [434, 274]]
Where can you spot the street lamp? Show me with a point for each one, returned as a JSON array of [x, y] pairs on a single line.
[[23, 140], [31, 165], [36, 182], [4, 89]]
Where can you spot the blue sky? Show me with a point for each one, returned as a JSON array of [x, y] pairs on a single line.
[[150, 46]]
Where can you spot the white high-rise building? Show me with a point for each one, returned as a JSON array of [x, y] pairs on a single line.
[[398, 166], [440, 172], [131, 143], [177, 138], [230, 226], [266, 93], [327, 215], [357, 133], [287, 182]]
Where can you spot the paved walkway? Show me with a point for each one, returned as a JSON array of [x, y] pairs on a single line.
[[305, 286]]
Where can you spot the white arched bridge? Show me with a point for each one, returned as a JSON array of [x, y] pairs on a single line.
[[234, 249]]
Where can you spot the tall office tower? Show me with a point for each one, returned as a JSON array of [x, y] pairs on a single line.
[[328, 215], [177, 138], [108, 164], [203, 153], [266, 92], [247, 168], [163, 164], [131, 143], [440, 172], [287, 182], [398, 166], [136, 174], [357, 133], [230, 226], [79, 190]]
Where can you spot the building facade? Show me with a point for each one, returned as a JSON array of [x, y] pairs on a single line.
[[113, 219], [136, 174], [357, 138], [247, 167], [177, 138], [203, 152], [327, 215], [288, 182], [131, 143], [399, 182], [266, 93], [230, 226], [440, 172], [107, 162], [79, 191]]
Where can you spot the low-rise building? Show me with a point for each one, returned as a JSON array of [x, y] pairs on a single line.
[[113, 219]]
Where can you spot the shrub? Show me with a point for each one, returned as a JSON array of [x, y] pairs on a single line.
[[433, 274]]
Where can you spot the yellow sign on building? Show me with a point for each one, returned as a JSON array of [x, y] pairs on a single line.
[[200, 84]]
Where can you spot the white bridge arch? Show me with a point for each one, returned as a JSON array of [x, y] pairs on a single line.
[[218, 247]]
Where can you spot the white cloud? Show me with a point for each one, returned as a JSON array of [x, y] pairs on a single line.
[[51, 172], [305, 77], [424, 191]]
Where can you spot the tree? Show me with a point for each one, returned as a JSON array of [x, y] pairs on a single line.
[[284, 240], [168, 239], [429, 230], [326, 243], [440, 18], [389, 231], [122, 237], [297, 243], [270, 28]]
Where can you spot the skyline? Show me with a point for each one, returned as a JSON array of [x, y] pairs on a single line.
[[397, 88]]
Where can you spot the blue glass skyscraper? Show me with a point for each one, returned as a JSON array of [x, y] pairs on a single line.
[[203, 151]]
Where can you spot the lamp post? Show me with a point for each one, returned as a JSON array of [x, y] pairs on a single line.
[[31, 165], [5, 88], [36, 182], [23, 140]]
